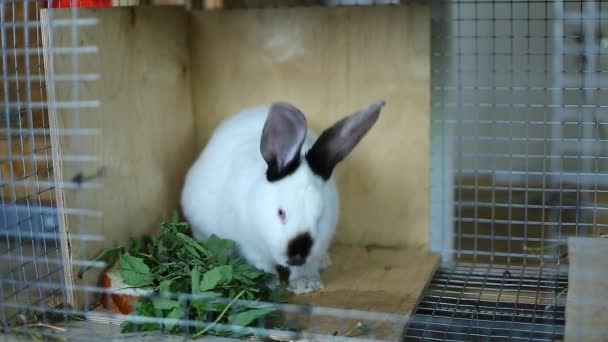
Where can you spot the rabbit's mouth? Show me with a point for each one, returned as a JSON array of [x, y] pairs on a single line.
[[297, 260]]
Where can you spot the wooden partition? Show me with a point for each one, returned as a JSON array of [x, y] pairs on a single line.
[[146, 135]]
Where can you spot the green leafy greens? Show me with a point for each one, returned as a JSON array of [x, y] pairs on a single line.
[[174, 263]]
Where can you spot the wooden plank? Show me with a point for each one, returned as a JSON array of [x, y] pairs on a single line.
[[587, 301], [374, 271], [329, 62], [66, 254], [374, 280], [147, 137]]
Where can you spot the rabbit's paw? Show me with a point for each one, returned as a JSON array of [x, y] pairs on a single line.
[[305, 284]]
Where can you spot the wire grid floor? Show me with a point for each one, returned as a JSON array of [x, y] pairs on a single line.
[[478, 302]]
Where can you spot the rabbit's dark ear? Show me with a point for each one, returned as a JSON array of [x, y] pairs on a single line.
[[282, 138], [336, 142]]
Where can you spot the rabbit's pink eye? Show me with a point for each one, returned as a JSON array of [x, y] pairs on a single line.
[[282, 215]]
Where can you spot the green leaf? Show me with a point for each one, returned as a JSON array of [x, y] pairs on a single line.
[[203, 307], [161, 249], [249, 271], [219, 248], [247, 317], [189, 244], [165, 285], [243, 280], [196, 280], [161, 270], [181, 285], [165, 303], [108, 255], [181, 226], [176, 313], [134, 271], [218, 275], [211, 294], [176, 263], [142, 308]]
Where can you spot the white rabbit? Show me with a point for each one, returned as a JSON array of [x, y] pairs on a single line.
[[265, 181]]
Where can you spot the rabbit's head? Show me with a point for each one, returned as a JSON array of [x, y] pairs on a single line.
[[294, 201]]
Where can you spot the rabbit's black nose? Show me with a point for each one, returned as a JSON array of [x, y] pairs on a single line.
[[298, 249], [296, 261]]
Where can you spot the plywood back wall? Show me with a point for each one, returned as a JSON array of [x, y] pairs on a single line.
[[330, 62]]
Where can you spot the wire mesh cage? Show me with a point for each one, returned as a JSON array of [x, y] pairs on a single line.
[[517, 116], [517, 167], [33, 272]]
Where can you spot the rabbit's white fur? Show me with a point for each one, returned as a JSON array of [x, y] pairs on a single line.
[[226, 193]]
